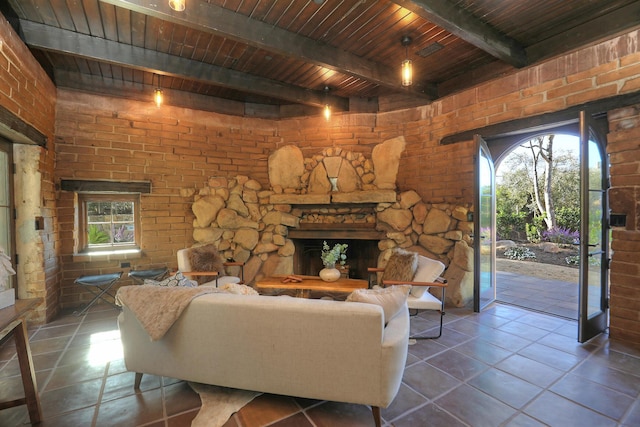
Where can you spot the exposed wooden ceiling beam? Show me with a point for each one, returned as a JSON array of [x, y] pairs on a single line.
[[68, 42], [616, 22], [469, 28], [144, 93], [223, 22]]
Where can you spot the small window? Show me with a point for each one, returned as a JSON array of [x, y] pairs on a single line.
[[109, 222]]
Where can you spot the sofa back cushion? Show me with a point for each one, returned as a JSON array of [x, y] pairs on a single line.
[[391, 299]]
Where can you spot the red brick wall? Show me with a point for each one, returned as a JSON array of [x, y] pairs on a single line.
[[624, 150], [99, 138], [28, 93]]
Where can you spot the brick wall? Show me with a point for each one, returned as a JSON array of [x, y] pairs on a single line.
[[27, 92], [624, 150], [99, 138]]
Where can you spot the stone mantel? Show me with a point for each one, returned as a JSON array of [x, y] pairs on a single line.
[[365, 196], [336, 231]]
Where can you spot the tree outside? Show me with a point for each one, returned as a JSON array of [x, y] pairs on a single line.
[[538, 198]]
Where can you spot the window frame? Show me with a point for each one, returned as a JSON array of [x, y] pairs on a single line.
[[83, 222]]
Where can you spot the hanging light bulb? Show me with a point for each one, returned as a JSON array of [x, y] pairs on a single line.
[[407, 66], [157, 97], [157, 93], [327, 108], [177, 5]]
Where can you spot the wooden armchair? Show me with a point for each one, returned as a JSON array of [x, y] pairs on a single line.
[[420, 298]]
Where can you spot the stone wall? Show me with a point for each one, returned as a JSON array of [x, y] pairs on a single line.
[[250, 224]]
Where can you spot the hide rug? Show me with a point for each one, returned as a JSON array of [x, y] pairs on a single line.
[[219, 403]]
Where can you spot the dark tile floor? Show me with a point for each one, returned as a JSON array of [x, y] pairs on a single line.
[[549, 296], [503, 367]]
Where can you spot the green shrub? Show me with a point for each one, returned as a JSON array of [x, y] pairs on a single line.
[[509, 224], [97, 236], [533, 235], [568, 217]]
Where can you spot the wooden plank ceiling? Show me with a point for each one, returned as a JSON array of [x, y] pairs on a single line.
[[275, 58]]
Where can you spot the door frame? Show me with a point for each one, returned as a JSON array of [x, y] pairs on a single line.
[[590, 325], [484, 285], [7, 147]]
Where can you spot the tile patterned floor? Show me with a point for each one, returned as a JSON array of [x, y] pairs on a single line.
[[503, 367], [545, 295]]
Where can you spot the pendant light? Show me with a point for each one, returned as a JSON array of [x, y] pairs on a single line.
[[157, 94], [327, 107], [407, 66], [177, 5]]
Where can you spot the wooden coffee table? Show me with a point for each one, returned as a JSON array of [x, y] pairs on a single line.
[[311, 283]]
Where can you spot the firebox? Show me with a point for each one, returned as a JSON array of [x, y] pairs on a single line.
[[361, 254]]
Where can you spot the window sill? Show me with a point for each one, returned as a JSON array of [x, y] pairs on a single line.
[[113, 255]]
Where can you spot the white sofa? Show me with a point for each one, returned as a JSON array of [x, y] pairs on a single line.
[[317, 349]]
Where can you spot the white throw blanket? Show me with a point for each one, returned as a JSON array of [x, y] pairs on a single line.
[[158, 307]]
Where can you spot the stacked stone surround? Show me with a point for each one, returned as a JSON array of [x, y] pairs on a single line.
[[250, 224]]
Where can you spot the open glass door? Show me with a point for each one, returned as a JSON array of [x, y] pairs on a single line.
[[484, 222], [594, 234]]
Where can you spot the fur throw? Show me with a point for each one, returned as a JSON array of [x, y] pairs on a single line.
[[158, 307], [205, 258], [401, 266]]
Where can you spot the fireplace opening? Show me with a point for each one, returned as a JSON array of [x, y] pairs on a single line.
[[361, 254]]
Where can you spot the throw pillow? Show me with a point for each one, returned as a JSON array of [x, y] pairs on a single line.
[[428, 271], [236, 288], [401, 266], [177, 279], [205, 258], [391, 299]]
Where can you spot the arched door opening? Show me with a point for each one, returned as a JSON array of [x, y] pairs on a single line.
[[594, 234], [538, 224]]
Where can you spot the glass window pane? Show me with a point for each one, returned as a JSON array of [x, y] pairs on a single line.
[[124, 233], [110, 222]]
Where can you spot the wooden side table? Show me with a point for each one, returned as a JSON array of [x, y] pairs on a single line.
[[12, 321]]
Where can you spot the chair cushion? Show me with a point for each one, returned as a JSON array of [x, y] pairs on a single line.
[[401, 266], [424, 302], [428, 271], [391, 299]]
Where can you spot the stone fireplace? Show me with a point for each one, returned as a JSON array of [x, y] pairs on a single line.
[[337, 196]]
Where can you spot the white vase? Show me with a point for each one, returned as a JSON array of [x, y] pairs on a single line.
[[330, 274]]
